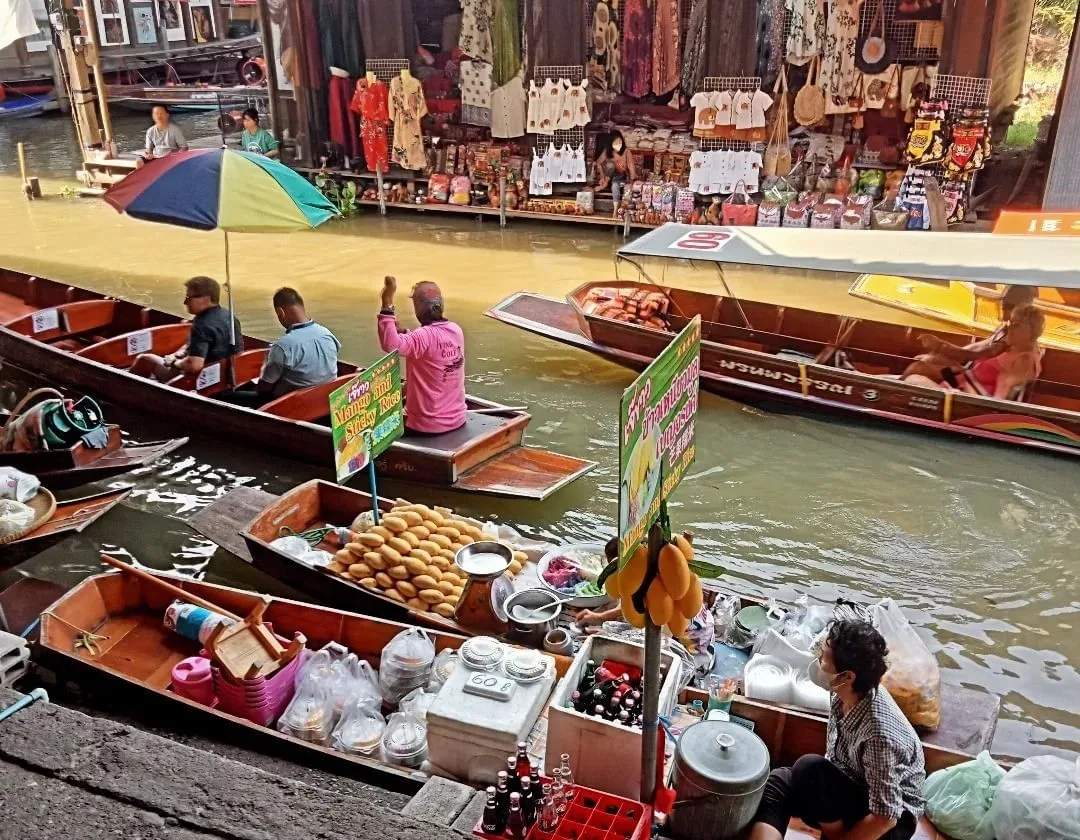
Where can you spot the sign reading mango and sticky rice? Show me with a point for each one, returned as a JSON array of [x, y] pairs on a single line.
[[367, 414], [657, 422]]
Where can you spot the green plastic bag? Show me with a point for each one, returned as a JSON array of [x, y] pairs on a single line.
[[958, 799]]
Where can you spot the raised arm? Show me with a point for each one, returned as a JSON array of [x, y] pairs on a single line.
[[391, 336]]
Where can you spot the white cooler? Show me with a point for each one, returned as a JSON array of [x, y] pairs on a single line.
[[490, 703]]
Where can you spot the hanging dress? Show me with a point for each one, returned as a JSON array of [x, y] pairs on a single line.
[[370, 102], [506, 41], [804, 33], [666, 58], [838, 71], [476, 20], [637, 48], [605, 53], [693, 62], [406, 108]]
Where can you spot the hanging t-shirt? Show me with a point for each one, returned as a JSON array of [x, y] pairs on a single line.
[[704, 113], [532, 122], [508, 109], [557, 159], [742, 105], [722, 100], [567, 108], [476, 92], [576, 168], [699, 171], [551, 100], [760, 102]]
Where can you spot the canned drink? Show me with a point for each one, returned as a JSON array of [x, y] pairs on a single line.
[[192, 622]]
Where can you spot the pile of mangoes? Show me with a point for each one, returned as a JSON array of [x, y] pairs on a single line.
[[673, 598]]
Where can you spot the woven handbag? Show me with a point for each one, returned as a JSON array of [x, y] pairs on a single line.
[[810, 100]]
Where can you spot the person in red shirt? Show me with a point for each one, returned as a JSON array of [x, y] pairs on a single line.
[[434, 360]]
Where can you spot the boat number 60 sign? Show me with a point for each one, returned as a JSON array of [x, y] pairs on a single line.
[[703, 240]]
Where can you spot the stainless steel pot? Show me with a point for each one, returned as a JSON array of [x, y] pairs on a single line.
[[531, 631]]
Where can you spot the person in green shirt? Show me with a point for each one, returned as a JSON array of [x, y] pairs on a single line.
[[255, 139]]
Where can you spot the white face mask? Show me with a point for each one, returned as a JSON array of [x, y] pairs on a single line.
[[819, 677], [617, 146]]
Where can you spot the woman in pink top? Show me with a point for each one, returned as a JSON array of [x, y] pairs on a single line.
[[435, 360]]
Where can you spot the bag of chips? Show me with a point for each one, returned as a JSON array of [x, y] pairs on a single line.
[[913, 678]]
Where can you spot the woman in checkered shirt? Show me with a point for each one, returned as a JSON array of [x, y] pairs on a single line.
[[869, 784]]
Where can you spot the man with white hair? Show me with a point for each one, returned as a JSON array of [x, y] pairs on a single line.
[[435, 359]]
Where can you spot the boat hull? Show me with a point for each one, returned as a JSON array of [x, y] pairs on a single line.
[[753, 376]]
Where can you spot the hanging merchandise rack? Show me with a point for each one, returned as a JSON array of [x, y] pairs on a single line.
[[900, 33], [573, 137], [386, 68], [714, 84]]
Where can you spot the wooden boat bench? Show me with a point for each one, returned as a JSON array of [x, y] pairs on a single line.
[[122, 350], [218, 378], [69, 320], [308, 404]]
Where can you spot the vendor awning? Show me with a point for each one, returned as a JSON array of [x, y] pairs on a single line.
[[1053, 262]]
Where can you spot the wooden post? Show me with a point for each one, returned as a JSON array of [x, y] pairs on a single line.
[[89, 14], [269, 52], [300, 88], [79, 90], [63, 98]]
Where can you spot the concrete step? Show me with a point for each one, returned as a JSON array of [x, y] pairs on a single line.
[[72, 769]]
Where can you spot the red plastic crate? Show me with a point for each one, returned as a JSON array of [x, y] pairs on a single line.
[[592, 815]]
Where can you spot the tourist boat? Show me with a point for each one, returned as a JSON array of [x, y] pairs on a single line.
[[185, 97], [973, 306], [60, 469], [768, 353], [137, 655], [87, 340], [29, 105], [69, 517]]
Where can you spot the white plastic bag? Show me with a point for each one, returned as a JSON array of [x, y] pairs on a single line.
[[17, 485], [1039, 799], [14, 517], [913, 678], [416, 703], [406, 664], [360, 729], [293, 546], [958, 798]]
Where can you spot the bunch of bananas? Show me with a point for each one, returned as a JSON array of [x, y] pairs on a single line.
[[673, 597]]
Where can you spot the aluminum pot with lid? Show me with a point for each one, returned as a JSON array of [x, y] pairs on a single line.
[[720, 774]]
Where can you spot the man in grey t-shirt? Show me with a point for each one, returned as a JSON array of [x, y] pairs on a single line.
[[162, 138]]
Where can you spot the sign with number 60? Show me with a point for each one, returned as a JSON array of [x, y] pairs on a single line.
[[703, 240]]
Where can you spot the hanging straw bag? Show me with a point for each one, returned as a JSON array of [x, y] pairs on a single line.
[[890, 110], [874, 52], [810, 100], [739, 209], [778, 153]]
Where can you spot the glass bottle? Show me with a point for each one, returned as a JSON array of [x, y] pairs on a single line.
[[522, 765], [511, 774], [558, 794], [515, 820], [567, 777], [502, 795], [493, 820], [534, 765], [548, 819], [528, 800]]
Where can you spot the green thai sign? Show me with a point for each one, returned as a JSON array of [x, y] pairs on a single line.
[[657, 422], [367, 414]]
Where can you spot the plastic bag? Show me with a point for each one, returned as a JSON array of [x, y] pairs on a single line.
[[445, 663], [353, 679], [804, 625], [1039, 799], [958, 799], [15, 517], [416, 703], [405, 740], [406, 664], [293, 546], [360, 729], [17, 485], [913, 678], [310, 714]]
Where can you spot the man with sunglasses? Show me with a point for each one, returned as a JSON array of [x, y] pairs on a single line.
[[869, 783], [210, 339]]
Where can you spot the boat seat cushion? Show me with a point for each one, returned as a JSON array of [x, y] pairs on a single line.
[[475, 426]]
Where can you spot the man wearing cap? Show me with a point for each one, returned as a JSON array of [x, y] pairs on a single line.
[[435, 360]]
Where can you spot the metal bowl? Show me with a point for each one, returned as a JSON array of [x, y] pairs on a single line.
[[468, 559]]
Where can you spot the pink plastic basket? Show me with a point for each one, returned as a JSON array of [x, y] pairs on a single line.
[[260, 700]]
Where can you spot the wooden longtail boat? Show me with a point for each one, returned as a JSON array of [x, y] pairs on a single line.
[[70, 517], [769, 353], [136, 660], [184, 97], [973, 306], [59, 469], [84, 339], [969, 718]]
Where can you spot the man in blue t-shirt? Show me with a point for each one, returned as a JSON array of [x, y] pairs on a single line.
[[211, 338]]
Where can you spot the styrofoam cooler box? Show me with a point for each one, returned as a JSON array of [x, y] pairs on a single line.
[[470, 735], [604, 755]]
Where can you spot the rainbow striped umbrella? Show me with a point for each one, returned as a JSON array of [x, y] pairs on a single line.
[[221, 189]]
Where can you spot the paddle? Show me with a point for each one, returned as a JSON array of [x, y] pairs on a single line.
[[177, 591]]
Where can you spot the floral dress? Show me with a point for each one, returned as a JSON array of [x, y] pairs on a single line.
[[605, 57], [637, 48], [806, 31], [838, 72], [370, 102], [407, 108], [476, 22]]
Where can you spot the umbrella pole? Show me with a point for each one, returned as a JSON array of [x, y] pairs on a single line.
[[232, 312]]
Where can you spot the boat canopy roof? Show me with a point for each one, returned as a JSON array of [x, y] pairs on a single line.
[[1053, 262]]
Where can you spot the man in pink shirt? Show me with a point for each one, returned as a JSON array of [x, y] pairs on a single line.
[[435, 360]]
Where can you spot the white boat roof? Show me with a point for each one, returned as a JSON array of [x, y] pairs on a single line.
[[1050, 261]]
